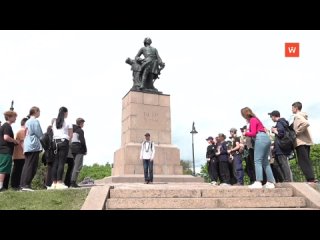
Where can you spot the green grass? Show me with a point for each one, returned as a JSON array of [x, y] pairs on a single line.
[[69, 199]]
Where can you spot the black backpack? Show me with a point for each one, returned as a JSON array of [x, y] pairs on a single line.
[[287, 142]]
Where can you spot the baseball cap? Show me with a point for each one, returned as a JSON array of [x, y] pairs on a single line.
[[274, 113], [209, 138], [243, 128]]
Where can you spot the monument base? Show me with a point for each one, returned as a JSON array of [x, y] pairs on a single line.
[[126, 160], [157, 179]]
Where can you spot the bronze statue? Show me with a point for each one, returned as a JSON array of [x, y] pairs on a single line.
[[136, 72], [146, 70]]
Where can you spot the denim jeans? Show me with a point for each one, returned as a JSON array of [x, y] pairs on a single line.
[[148, 170], [261, 153], [237, 168]]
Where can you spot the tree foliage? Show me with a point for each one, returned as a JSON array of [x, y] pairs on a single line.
[[186, 167], [95, 171]]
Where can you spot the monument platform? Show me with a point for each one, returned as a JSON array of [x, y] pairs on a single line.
[[157, 179], [146, 112]]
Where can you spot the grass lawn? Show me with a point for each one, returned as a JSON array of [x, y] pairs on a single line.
[[68, 199]]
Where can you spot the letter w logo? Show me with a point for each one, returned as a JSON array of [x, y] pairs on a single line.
[[292, 50]]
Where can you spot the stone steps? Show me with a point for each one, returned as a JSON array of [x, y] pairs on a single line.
[[200, 196], [205, 203], [198, 193]]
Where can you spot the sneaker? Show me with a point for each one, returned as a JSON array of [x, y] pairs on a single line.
[[52, 187], [269, 185], [214, 183], [74, 185], [27, 189], [61, 186], [225, 185], [256, 184]]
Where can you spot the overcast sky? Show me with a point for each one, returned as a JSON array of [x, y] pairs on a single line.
[[210, 76]]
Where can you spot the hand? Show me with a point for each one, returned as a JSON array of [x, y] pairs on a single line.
[[208, 159], [16, 142], [274, 130], [229, 151]]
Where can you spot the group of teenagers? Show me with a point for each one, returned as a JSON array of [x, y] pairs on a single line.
[[63, 142], [266, 156]]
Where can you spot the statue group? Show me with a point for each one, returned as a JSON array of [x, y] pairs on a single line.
[[146, 70]]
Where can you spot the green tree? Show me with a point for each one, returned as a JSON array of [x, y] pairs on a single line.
[[95, 171], [315, 159], [204, 172], [186, 167], [38, 181]]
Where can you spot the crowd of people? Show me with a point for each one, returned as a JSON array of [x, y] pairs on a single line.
[[63, 143], [265, 152]]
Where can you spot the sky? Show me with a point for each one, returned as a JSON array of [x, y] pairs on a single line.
[[210, 76]]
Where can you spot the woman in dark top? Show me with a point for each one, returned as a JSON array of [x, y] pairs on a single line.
[[7, 143]]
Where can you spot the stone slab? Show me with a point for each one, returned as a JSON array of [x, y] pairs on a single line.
[[204, 203], [96, 198]]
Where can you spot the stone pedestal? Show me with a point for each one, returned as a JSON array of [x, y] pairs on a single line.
[[146, 112]]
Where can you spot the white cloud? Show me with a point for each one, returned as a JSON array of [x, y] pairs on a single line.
[[210, 76]]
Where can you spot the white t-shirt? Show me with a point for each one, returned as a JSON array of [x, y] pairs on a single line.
[[62, 132], [147, 150]]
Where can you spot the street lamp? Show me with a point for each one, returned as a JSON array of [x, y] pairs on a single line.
[[11, 108], [193, 131]]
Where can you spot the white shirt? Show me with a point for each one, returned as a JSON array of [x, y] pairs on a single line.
[[147, 150], [62, 132]]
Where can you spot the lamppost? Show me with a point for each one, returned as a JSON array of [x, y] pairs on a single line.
[[11, 108], [193, 131]]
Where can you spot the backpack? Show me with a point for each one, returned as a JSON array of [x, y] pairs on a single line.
[[287, 142]]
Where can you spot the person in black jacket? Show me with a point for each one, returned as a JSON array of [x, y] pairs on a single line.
[[212, 161], [48, 155], [223, 156], [281, 154], [79, 149]]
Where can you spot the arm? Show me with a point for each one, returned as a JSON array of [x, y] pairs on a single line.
[[224, 149], [137, 58], [253, 128], [141, 151], [237, 147], [82, 140], [9, 139], [38, 131], [6, 131], [153, 151], [301, 124], [70, 133], [280, 130], [208, 152]]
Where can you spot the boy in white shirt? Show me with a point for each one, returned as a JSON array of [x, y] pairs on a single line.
[[147, 156]]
